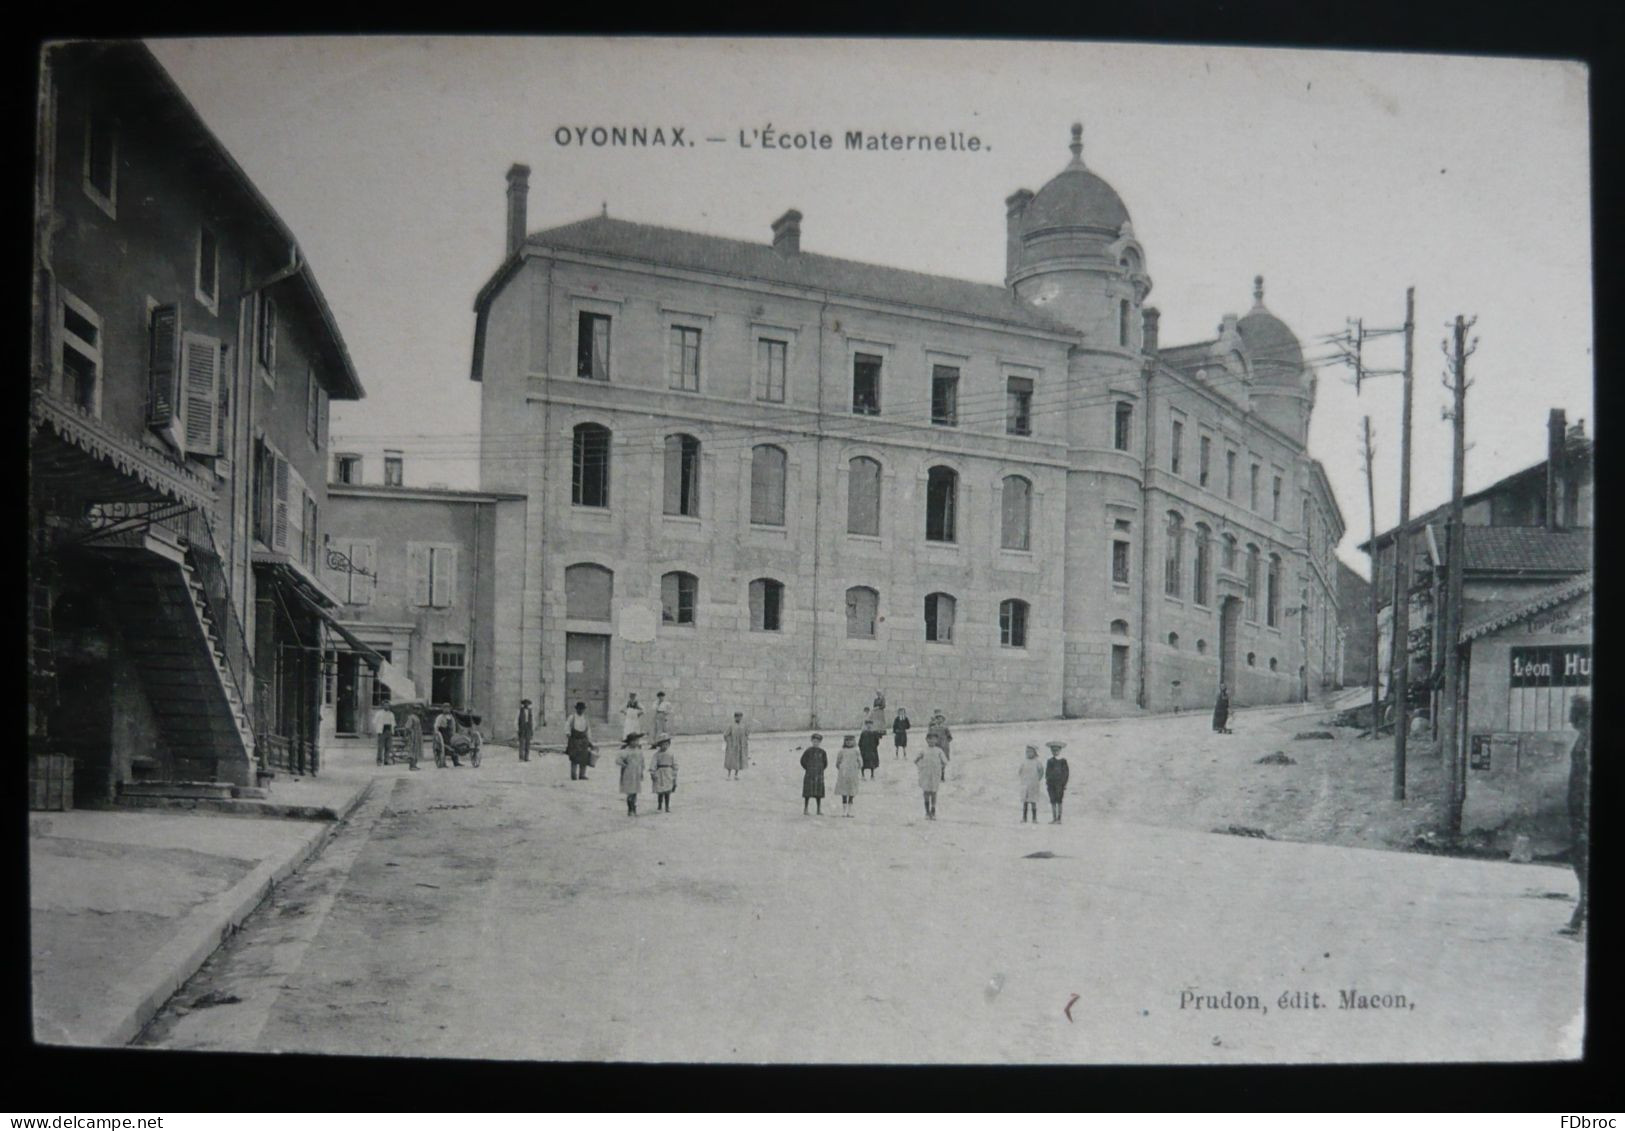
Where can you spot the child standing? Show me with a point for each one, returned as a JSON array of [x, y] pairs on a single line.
[[630, 760], [899, 733], [848, 769], [813, 762], [1032, 783], [664, 773], [1056, 773]]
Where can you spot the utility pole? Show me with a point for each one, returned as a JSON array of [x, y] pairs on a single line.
[[1450, 739], [1371, 509], [1402, 563]]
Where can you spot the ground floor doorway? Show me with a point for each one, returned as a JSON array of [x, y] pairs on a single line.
[[586, 673], [1119, 670], [1229, 620]]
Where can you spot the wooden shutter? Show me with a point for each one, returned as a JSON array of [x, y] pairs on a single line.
[[361, 586], [296, 512], [444, 581], [163, 365], [200, 392], [417, 560], [223, 428], [279, 505]]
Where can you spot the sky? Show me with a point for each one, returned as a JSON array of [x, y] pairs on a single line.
[[1341, 177]]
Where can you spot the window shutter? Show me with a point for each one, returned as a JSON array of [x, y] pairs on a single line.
[[279, 506], [223, 429], [417, 559], [163, 365], [321, 422], [294, 498], [201, 395], [444, 580], [361, 555]]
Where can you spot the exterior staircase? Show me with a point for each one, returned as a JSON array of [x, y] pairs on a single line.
[[164, 613]]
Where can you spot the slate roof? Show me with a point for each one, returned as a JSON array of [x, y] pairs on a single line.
[[1531, 549], [1511, 612], [671, 247]]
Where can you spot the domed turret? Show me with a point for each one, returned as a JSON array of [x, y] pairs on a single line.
[[1283, 390], [1071, 252]]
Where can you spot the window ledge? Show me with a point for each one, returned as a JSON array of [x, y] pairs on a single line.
[[1015, 553], [1123, 586], [866, 539], [582, 508], [683, 519], [949, 547]]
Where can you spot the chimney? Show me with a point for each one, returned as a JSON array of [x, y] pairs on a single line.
[[1556, 449], [518, 189], [787, 234], [1148, 333], [1015, 207]]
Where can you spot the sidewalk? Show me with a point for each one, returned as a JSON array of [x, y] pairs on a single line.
[[125, 905]]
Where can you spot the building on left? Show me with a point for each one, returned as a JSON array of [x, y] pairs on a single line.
[[182, 364]]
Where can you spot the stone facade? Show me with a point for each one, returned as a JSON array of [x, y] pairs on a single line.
[[1051, 386]]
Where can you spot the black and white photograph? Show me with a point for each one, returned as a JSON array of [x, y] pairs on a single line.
[[499, 507]]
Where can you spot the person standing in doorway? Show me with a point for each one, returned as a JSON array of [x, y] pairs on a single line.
[[578, 742], [931, 760], [630, 760], [524, 727], [383, 724], [1056, 773], [899, 733], [1221, 711], [938, 734], [1032, 783], [813, 763], [664, 774], [631, 717], [736, 746], [869, 746], [848, 770], [1580, 808], [662, 716]]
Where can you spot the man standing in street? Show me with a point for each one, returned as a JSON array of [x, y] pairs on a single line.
[[736, 746], [524, 727], [1580, 807], [383, 724]]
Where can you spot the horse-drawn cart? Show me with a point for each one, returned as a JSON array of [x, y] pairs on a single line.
[[415, 719]]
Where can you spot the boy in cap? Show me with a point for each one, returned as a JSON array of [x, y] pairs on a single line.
[[1056, 772], [813, 762]]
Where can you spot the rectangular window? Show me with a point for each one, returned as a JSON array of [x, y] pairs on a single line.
[[1275, 499], [766, 605], [592, 346], [770, 360], [447, 678], [266, 336], [684, 358], [1018, 406], [1252, 489], [767, 483], [1120, 562], [939, 618], [944, 395], [80, 361], [1176, 449], [863, 497], [1205, 458], [394, 469], [208, 268], [1013, 624], [1122, 425], [682, 481], [678, 592], [866, 384], [347, 468], [1229, 475], [101, 161]]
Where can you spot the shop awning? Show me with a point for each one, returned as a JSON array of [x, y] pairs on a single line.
[[366, 651], [75, 455]]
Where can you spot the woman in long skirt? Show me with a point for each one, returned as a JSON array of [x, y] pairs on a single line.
[[664, 774], [736, 746], [1032, 784], [848, 770], [869, 747], [899, 733], [630, 760], [813, 763], [578, 742]]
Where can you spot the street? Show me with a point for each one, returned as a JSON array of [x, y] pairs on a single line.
[[507, 912]]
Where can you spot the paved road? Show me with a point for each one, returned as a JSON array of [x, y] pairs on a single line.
[[507, 912]]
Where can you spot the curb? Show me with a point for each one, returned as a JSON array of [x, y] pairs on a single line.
[[206, 927]]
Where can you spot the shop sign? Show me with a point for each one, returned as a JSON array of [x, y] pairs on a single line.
[[1559, 665]]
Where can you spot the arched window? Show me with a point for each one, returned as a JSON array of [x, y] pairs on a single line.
[[1174, 554], [767, 463], [1119, 628], [862, 610], [679, 593], [1252, 582], [863, 496], [589, 471], [941, 497], [683, 475], [1013, 623], [1173, 640], [939, 618], [1016, 521], [589, 591], [1274, 606], [766, 605], [1204, 564]]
